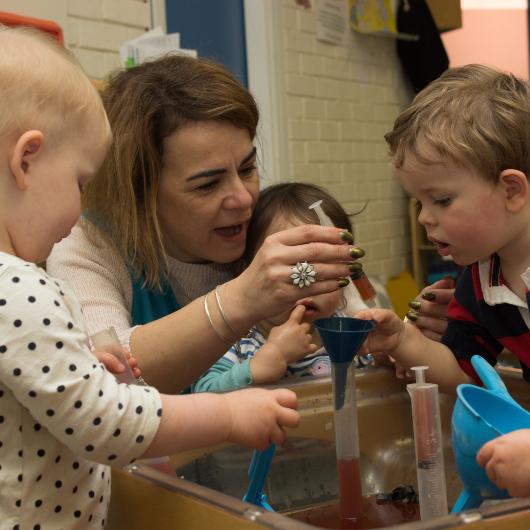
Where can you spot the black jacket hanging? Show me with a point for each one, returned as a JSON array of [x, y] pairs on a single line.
[[423, 59]]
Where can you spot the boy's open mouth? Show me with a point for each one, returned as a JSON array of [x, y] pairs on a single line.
[[441, 247]]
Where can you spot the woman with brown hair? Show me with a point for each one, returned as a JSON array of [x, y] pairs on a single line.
[[165, 223], [158, 251]]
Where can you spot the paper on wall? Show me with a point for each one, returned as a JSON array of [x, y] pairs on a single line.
[[151, 45]]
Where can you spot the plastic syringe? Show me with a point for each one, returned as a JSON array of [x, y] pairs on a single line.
[[430, 467], [363, 295]]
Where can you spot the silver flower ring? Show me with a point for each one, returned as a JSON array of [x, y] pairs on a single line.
[[303, 274]]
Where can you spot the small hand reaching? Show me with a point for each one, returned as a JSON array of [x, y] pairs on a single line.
[[258, 417], [387, 334], [287, 343], [506, 460], [114, 366]]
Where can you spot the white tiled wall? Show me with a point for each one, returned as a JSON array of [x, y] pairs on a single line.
[[93, 29], [338, 103], [340, 100]]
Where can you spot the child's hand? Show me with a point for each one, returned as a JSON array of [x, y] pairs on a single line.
[[258, 416], [387, 334], [506, 460], [286, 343], [114, 366]]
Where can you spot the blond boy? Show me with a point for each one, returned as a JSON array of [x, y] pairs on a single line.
[[462, 149]]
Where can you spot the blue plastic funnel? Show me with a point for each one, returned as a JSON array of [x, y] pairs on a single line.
[[343, 336], [480, 415]]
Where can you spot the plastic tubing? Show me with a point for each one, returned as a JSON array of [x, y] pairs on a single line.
[[365, 289]]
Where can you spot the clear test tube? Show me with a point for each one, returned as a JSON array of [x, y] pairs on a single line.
[[347, 440], [107, 340], [363, 294], [430, 467]]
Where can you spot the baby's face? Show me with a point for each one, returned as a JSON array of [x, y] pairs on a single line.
[[60, 169]]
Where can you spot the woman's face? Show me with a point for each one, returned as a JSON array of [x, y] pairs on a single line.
[[208, 187]]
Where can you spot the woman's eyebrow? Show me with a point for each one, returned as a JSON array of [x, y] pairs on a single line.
[[250, 156], [219, 171]]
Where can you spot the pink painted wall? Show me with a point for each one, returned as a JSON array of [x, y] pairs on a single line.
[[497, 37]]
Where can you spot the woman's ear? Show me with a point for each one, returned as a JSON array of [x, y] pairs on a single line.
[[27, 148], [515, 187]]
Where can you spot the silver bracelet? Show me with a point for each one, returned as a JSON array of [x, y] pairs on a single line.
[[228, 325], [216, 331]]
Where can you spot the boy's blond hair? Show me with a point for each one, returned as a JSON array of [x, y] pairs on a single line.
[[43, 87], [474, 115]]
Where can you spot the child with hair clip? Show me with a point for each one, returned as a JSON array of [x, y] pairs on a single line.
[[63, 417], [283, 346]]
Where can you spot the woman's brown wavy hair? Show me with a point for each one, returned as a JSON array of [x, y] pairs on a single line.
[[146, 104]]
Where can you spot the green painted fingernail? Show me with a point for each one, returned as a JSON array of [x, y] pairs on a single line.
[[428, 296], [414, 304], [356, 252], [343, 282], [412, 315], [346, 236], [354, 267]]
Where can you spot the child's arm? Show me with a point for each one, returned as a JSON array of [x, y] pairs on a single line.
[[286, 343], [252, 417], [410, 347], [266, 363], [224, 375], [506, 460]]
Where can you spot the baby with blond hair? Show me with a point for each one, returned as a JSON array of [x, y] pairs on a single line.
[[63, 417]]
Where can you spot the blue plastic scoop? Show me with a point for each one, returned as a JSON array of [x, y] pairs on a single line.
[[479, 415], [257, 473]]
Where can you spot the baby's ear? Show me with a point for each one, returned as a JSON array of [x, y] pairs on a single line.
[[27, 148], [515, 186]]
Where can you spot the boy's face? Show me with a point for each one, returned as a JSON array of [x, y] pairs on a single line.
[[52, 200], [319, 306], [464, 215]]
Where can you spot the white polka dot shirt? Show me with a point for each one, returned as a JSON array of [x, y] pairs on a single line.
[[63, 417]]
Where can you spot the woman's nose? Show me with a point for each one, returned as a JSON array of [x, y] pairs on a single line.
[[238, 196]]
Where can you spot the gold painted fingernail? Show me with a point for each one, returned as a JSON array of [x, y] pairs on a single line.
[[412, 315], [428, 296], [355, 267], [414, 304], [356, 252], [343, 282], [346, 236]]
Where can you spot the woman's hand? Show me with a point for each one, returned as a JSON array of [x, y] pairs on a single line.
[[429, 309], [265, 288]]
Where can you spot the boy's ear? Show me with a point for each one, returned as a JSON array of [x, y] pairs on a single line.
[[515, 186], [27, 148]]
